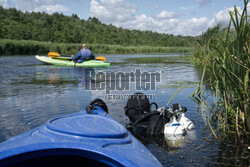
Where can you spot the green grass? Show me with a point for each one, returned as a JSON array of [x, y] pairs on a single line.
[[29, 47]]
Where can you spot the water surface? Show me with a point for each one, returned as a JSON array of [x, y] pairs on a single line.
[[31, 93]]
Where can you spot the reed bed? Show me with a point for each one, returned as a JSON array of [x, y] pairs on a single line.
[[29, 47], [226, 60]]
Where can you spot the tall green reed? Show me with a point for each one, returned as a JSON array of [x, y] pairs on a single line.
[[227, 67], [29, 47]]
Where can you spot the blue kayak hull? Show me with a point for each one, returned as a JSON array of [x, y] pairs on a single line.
[[93, 139]]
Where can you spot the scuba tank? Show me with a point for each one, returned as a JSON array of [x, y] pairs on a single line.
[[174, 127], [178, 124], [177, 127], [187, 123]]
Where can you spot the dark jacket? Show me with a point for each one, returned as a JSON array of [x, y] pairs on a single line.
[[83, 55]]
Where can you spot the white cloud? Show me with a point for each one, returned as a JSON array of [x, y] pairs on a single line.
[[142, 22], [49, 6], [167, 15], [122, 14], [4, 3], [222, 17], [115, 11], [193, 26], [173, 25]]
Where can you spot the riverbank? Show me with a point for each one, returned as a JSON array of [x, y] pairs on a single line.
[[29, 47]]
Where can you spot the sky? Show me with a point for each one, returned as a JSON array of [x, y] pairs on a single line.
[[177, 17]]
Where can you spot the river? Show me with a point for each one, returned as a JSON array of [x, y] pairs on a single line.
[[32, 92]]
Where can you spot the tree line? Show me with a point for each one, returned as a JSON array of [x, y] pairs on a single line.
[[59, 28]]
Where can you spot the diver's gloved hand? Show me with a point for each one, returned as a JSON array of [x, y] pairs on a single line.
[[89, 109], [184, 109], [96, 102]]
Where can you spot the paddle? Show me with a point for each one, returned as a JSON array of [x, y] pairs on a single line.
[[55, 55], [100, 58]]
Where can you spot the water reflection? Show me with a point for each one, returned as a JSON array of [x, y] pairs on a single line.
[[54, 76], [175, 141]]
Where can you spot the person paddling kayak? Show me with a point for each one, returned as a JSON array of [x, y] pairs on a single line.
[[83, 55]]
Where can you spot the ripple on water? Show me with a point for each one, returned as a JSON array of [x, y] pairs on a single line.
[[31, 93]]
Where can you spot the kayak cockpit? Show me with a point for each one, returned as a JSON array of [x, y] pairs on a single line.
[[59, 157]]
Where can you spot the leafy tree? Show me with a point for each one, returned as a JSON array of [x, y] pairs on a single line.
[[57, 27]]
